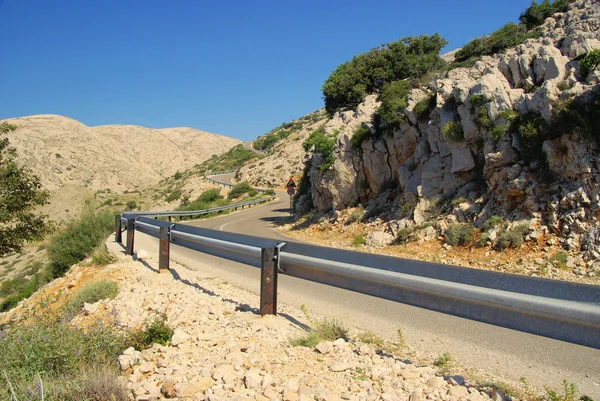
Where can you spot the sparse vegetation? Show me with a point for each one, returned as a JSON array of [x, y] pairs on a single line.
[[424, 107], [233, 159], [359, 240], [355, 216], [92, 292], [368, 337], [453, 131], [589, 62], [559, 259], [459, 234], [67, 362], [569, 392], [361, 134], [512, 238], [78, 240], [239, 190], [443, 362], [155, 331], [321, 144], [320, 330], [173, 196]]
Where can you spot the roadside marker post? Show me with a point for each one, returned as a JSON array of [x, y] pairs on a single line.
[[291, 190]]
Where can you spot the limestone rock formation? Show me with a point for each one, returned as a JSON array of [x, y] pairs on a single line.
[[491, 168]]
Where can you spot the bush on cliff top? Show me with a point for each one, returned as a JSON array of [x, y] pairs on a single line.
[[409, 57]]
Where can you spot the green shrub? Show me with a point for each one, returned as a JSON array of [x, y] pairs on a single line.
[[404, 235], [368, 337], [478, 101], [510, 35], [589, 62], [536, 14], [78, 240], [155, 331], [453, 131], [269, 192], [424, 107], [6, 127], [569, 393], [20, 288], [177, 175], [210, 195], [239, 190], [563, 86], [492, 223], [101, 257], [356, 215], [131, 205], [560, 258], [459, 234], [60, 355], [322, 330], [409, 57], [319, 143], [359, 240], [512, 238], [92, 292], [176, 194], [252, 193], [361, 134], [393, 99]]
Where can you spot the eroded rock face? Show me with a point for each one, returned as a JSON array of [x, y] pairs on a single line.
[[490, 166]]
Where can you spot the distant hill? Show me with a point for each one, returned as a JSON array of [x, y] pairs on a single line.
[[73, 160]]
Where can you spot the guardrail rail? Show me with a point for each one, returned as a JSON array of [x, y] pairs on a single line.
[[556, 309]]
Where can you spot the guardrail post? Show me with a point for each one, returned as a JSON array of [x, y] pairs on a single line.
[[268, 282], [164, 248], [130, 236], [118, 233]]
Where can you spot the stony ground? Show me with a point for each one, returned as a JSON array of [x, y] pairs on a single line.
[[223, 349], [535, 257]]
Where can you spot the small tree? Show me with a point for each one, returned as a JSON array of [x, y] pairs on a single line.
[[20, 193]]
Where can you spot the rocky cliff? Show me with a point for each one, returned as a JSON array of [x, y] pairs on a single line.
[[477, 149]]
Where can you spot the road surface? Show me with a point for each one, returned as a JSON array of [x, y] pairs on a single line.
[[503, 352]]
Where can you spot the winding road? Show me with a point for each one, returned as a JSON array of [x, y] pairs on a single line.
[[503, 352]]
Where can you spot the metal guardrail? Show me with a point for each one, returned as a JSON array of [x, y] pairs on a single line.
[[561, 310], [181, 213], [556, 309]]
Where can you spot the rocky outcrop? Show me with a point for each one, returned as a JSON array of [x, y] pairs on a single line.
[[490, 168]]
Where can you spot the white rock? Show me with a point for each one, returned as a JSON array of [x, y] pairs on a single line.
[[324, 347], [179, 337]]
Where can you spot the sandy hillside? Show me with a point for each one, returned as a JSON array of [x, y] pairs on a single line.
[[62, 151]]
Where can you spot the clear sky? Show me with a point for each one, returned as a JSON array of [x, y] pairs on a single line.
[[236, 68]]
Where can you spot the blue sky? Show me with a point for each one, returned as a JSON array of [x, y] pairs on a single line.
[[237, 68]]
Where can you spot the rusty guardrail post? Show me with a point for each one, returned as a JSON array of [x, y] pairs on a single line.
[[164, 248], [130, 236], [268, 282], [118, 233]]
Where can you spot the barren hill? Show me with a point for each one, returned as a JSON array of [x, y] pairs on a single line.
[[65, 152]]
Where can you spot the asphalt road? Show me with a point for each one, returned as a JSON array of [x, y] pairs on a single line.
[[503, 352]]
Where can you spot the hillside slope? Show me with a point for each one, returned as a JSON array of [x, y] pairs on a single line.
[[62, 151], [284, 152]]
